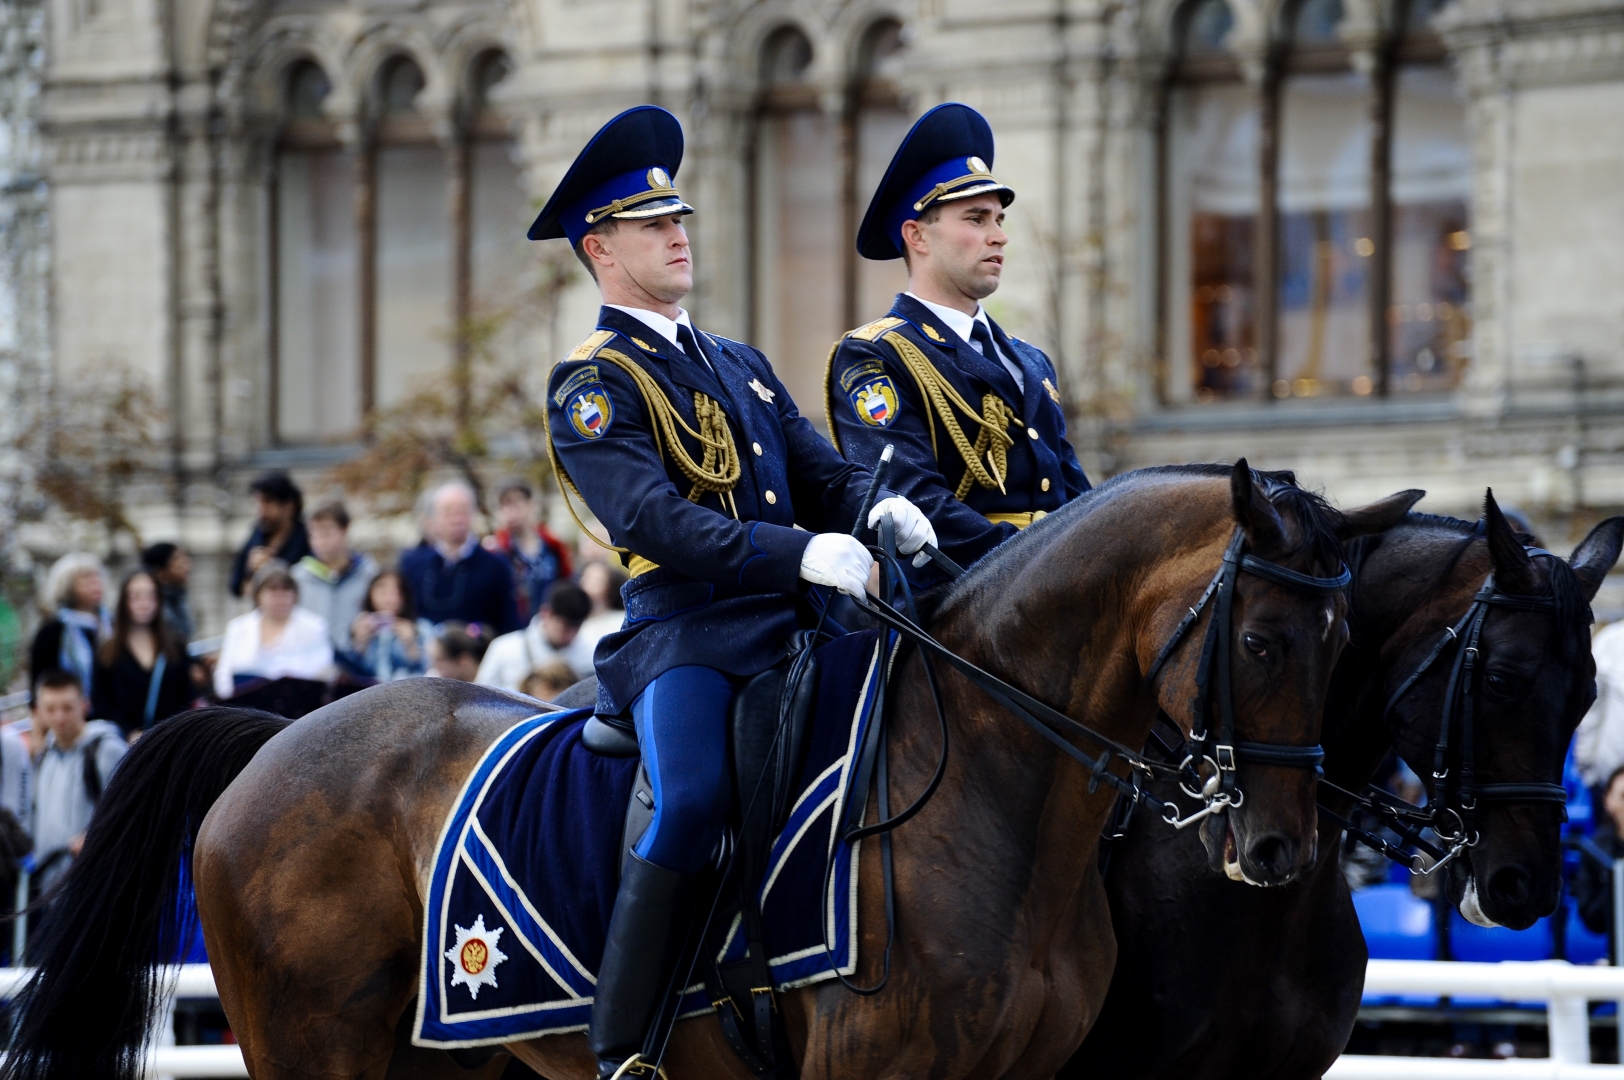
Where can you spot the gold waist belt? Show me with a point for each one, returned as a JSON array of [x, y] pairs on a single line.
[[640, 566], [1020, 521]]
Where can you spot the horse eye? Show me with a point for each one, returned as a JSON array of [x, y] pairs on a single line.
[[1256, 645]]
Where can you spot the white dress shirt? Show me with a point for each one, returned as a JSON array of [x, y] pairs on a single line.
[[666, 328], [961, 324]]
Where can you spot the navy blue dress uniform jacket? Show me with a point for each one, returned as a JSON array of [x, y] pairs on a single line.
[[1043, 473], [726, 592]]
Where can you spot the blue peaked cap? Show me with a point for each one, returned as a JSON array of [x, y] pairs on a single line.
[[628, 171], [946, 156]]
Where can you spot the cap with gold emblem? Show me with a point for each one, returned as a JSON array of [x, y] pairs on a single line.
[[947, 156], [627, 171]]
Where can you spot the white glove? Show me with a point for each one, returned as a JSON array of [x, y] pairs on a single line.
[[913, 527], [839, 560]]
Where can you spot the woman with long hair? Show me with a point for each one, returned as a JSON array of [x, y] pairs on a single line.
[[75, 622], [141, 670], [388, 641]]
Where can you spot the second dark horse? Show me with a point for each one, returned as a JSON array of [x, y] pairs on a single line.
[[1217, 980]]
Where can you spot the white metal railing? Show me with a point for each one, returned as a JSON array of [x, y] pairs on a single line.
[[1566, 990], [165, 1058]]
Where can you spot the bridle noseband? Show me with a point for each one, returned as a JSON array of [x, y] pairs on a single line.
[[1452, 813], [1218, 746]]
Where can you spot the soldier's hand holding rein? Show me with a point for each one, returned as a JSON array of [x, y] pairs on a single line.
[[913, 527], [840, 561]]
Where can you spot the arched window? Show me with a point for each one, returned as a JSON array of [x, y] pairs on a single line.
[[498, 215], [314, 283], [1314, 225], [1212, 197], [798, 185], [412, 315], [1323, 205], [878, 122], [1429, 310]]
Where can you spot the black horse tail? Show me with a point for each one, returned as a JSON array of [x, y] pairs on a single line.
[[120, 908]]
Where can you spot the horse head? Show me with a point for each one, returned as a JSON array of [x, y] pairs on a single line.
[[1493, 774], [1285, 638]]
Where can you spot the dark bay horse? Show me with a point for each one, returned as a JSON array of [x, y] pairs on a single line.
[[1214, 980], [311, 862]]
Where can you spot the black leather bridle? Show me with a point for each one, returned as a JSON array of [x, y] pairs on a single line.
[[1452, 812], [1218, 746]]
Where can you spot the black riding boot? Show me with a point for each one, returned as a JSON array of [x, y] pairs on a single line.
[[637, 959]]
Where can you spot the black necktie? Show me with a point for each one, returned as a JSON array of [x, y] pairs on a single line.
[[685, 338], [983, 337]]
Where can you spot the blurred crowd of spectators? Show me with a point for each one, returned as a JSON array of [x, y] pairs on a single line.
[[509, 609]]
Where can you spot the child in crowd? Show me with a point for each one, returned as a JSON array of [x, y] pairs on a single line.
[[548, 681], [456, 649]]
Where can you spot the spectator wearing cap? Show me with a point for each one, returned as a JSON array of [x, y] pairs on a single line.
[[333, 579], [456, 649], [552, 635], [75, 621], [453, 578], [278, 639], [536, 557], [79, 757], [279, 531], [142, 675], [171, 567]]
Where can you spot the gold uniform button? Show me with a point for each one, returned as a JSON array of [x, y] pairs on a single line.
[[1045, 483], [756, 447], [1032, 432], [772, 500]]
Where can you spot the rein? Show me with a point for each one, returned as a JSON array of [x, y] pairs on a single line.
[[1452, 818], [1218, 746]]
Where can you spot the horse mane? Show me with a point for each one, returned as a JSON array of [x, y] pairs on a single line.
[[1572, 610], [1315, 518]]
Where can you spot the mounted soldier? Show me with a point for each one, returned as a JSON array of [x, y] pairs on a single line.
[[974, 413], [689, 450]]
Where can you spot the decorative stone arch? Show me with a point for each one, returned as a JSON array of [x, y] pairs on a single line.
[[853, 24], [381, 41], [465, 41], [743, 54], [267, 60]]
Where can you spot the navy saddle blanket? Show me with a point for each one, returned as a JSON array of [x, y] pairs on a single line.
[[527, 866]]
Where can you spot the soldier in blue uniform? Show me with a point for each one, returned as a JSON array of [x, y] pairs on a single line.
[[974, 413], [688, 449]]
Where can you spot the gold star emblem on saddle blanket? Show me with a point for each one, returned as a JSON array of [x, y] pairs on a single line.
[[762, 392]]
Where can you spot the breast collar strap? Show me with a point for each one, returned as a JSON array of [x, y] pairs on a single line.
[[1457, 794]]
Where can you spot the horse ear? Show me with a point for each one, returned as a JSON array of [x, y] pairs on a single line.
[[1596, 555], [1513, 569], [1378, 517], [1254, 511]]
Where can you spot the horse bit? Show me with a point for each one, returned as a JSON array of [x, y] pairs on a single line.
[[1452, 818]]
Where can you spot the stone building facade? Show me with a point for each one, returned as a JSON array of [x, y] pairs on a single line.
[[1377, 241]]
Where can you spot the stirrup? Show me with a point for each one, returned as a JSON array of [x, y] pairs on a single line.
[[636, 1066]]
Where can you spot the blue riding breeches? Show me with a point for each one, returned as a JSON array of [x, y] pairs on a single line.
[[681, 720]]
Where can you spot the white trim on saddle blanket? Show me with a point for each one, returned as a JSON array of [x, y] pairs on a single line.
[[500, 964]]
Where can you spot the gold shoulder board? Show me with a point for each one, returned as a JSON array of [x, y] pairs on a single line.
[[873, 330], [586, 349]]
